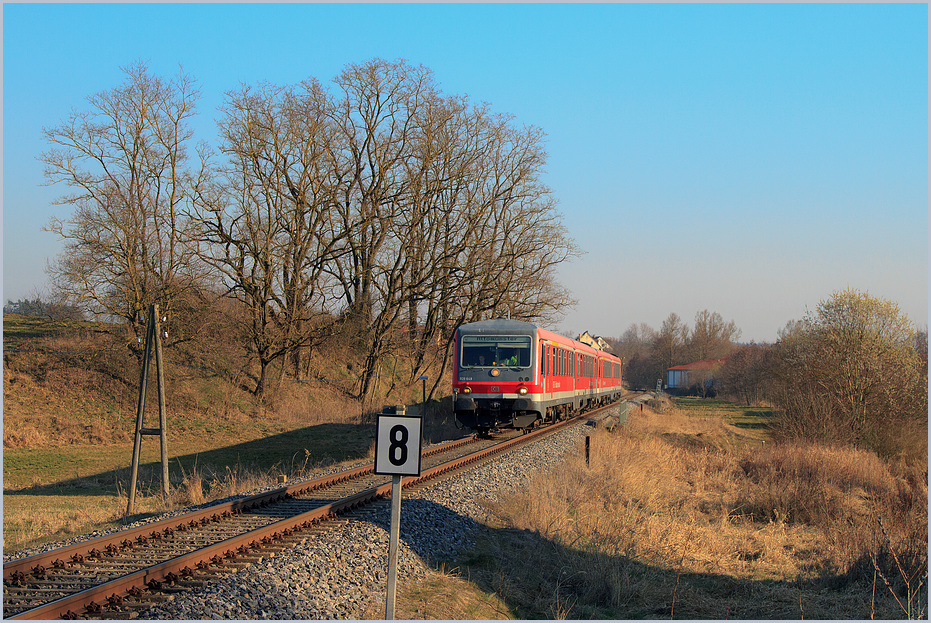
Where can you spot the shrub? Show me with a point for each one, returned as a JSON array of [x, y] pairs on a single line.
[[850, 374]]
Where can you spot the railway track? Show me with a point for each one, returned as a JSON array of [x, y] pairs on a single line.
[[103, 577]]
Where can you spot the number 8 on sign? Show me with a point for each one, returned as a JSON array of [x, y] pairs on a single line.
[[397, 445], [397, 451]]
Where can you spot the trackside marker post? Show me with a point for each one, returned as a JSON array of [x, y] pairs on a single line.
[[397, 452]]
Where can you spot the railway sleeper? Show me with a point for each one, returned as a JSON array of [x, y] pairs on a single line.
[[112, 615]]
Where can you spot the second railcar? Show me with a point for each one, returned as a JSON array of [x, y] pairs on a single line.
[[513, 374]]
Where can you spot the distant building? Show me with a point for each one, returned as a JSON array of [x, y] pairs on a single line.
[[593, 340], [698, 373]]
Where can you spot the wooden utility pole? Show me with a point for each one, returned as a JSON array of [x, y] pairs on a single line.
[[153, 339]]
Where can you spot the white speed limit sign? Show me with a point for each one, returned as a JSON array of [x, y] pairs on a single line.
[[397, 445]]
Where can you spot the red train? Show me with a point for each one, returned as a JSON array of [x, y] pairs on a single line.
[[513, 374]]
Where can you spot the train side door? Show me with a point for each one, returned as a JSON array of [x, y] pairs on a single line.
[[543, 374], [576, 371]]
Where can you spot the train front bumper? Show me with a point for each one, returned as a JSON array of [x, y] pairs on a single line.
[[493, 412]]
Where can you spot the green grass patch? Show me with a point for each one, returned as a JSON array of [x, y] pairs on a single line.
[[34, 520], [753, 418], [19, 331], [57, 468], [700, 405], [755, 421], [86, 480], [32, 467]]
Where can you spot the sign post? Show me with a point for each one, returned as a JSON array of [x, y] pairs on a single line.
[[397, 452]]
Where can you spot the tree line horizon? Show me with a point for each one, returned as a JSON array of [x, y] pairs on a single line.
[[853, 371]]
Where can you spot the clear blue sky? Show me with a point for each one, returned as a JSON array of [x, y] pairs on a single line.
[[745, 159]]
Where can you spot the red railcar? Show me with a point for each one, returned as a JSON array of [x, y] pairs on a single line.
[[513, 374]]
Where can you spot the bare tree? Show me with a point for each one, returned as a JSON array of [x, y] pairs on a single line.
[[921, 346], [745, 373], [126, 161], [52, 310], [711, 337], [516, 234], [443, 158], [496, 235], [447, 215], [670, 342], [388, 206], [636, 341], [374, 119], [636, 348], [269, 230]]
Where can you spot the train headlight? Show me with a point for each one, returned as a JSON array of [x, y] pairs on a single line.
[[467, 390], [522, 391], [495, 372]]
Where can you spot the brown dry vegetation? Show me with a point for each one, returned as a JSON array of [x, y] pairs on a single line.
[[679, 514], [67, 383], [675, 518], [70, 395]]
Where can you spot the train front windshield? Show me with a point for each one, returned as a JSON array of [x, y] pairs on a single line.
[[495, 350]]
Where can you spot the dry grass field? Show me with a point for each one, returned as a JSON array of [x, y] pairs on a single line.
[[681, 514]]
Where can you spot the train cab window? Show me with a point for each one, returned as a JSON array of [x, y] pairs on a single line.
[[496, 351]]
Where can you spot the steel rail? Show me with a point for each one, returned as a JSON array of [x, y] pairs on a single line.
[[92, 547]]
